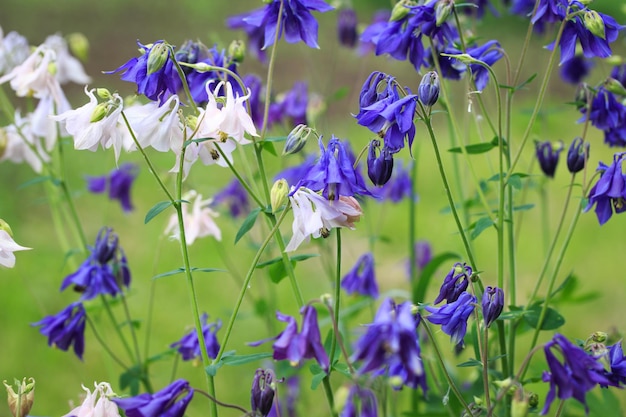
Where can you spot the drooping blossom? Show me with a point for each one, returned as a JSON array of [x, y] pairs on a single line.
[[105, 271], [68, 68], [548, 156], [156, 125], [66, 328], [189, 345], [379, 163], [492, 304], [296, 22], [22, 145], [609, 193], [575, 374], [118, 183], [14, 50], [369, 36], [617, 365], [197, 219], [295, 347], [390, 345], [455, 283], [577, 155], [8, 246], [361, 402], [97, 403], [347, 27], [453, 316], [262, 392], [575, 69], [399, 185], [171, 401], [362, 277], [235, 197], [314, 215], [97, 124], [291, 106]]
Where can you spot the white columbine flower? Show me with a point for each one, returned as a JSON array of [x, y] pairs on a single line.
[[97, 404], [96, 124], [155, 125], [236, 120], [313, 215], [7, 247], [68, 68], [198, 222], [21, 145], [14, 50]]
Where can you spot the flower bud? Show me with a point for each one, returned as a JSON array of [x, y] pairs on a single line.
[[262, 393], [577, 155], [79, 45], [21, 402], [346, 28], [157, 57], [379, 168], [399, 11], [615, 87], [492, 302], [237, 50], [443, 9], [428, 90], [278, 194], [519, 404], [296, 139], [533, 400], [99, 112], [599, 337], [103, 93], [548, 156], [594, 23]]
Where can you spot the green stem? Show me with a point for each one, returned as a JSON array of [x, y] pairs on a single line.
[[245, 285], [132, 330], [337, 300], [116, 325], [442, 365], [105, 346], [328, 390]]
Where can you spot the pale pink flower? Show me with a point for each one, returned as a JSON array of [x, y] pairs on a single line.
[[198, 221], [107, 131], [313, 215], [7, 247], [97, 403]]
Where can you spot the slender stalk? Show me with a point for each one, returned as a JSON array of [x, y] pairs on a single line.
[[105, 346], [484, 351], [116, 325], [560, 409], [222, 404], [337, 297], [442, 365], [245, 285], [132, 330], [328, 390]]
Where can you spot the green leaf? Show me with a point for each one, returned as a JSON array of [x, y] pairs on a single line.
[[603, 403], [552, 320], [243, 359], [476, 148], [38, 180], [515, 180], [296, 258], [248, 223], [131, 379], [479, 226], [156, 209], [339, 94], [318, 375], [269, 147], [211, 370], [182, 270], [471, 362], [421, 286], [275, 139], [343, 369], [277, 272], [523, 207]]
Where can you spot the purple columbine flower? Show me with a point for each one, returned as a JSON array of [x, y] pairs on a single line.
[[65, 329], [369, 37], [609, 193], [296, 22], [235, 197], [390, 345], [607, 111], [294, 346], [334, 173], [455, 283], [262, 393], [105, 271], [171, 401], [361, 402], [383, 111], [617, 365], [492, 303], [575, 376], [347, 27], [119, 183], [189, 345], [548, 156], [156, 81], [256, 34], [577, 155], [361, 278], [453, 316], [575, 69], [379, 167], [255, 85], [293, 105]]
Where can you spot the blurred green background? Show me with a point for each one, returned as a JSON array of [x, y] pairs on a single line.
[[30, 290]]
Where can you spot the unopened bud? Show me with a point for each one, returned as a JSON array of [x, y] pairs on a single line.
[[278, 194], [297, 139], [379, 167], [21, 402], [443, 9], [428, 90], [615, 87], [519, 404], [99, 112], [5, 226], [262, 393], [595, 24], [157, 57], [533, 400], [399, 11], [103, 93], [79, 45], [599, 337], [237, 50], [577, 155]]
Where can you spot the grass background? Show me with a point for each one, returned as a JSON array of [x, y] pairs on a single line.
[[30, 291]]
